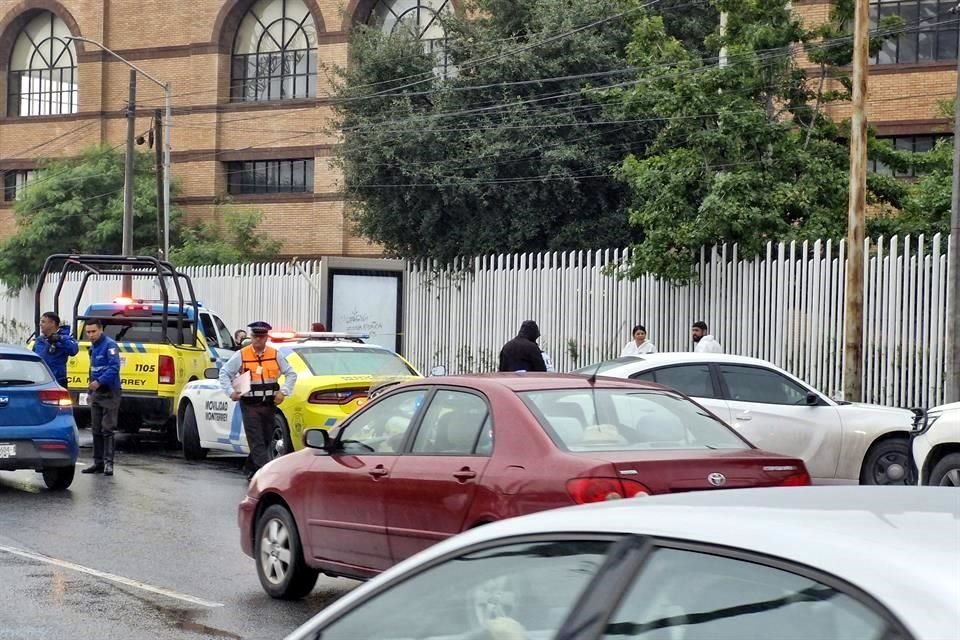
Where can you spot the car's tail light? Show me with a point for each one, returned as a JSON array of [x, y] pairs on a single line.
[[166, 373], [584, 490], [52, 446], [336, 396], [55, 397], [801, 479]]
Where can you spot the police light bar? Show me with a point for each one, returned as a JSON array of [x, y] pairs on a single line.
[[283, 336]]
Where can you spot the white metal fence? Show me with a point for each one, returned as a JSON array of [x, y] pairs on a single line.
[[786, 306]]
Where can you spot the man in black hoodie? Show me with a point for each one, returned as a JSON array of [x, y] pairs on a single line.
[[522, 353]]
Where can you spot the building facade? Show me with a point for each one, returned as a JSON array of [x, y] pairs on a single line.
[[909, 78], [251, 98], [252, 94]]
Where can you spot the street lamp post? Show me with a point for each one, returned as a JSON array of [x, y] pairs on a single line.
[[168, 125]]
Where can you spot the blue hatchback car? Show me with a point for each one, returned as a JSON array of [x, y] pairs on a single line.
[[37, 429]]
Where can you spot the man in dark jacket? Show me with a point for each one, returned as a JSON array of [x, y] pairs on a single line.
[[105, 390], [522, 353]]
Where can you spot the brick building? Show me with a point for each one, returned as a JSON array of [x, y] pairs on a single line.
[[251, 102], [911, 75]]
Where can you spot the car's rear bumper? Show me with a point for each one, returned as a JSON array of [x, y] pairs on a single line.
[[246, 512], [151, 408], [54, 444]]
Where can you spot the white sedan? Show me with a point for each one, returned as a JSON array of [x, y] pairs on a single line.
[[797, 563], [936, 449], [840, 442]]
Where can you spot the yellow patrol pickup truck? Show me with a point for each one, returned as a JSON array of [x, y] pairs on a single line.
[[164, 344]]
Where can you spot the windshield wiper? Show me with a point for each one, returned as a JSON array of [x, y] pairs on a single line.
[[11, 382]]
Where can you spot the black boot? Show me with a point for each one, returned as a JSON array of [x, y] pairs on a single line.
[[97, 466], [108, 454]]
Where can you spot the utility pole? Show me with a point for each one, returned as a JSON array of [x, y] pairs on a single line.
[[158, 149], [952, 392], [128, 179], [856, 214]]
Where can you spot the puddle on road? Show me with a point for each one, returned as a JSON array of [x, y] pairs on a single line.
[[182, 619]]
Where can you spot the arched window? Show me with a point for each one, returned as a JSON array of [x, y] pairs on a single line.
[[274, 53], [43, 70], [422, 18]]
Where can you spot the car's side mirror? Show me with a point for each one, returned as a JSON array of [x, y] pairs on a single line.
[[211, 373], [812, 399], [438, 371], [317, 439]]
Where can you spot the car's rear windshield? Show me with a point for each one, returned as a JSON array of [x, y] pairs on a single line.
[[132, 330], [603, 367], [17, 370], [584, 420], [346, 360]]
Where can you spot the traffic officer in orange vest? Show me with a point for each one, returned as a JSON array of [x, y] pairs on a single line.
[[264, 365]]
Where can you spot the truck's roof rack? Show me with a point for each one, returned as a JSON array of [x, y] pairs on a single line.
[[107, 265]]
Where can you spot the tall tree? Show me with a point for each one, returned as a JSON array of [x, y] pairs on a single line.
[[746, 154], [75, 205], [505, 151]]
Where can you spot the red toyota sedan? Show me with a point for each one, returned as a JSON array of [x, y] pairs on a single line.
[[431, 458]]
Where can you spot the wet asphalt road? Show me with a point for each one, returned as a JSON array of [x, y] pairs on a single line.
[[163, 529]]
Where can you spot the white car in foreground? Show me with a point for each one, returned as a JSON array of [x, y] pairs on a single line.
[[936, 449], [840, 442], [799, 563]]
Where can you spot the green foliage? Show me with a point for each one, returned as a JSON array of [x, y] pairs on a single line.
[[746, 155], [76, 206], [482, 160], [207, 244]]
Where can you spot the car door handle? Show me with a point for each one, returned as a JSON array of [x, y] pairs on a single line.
[[378, 472], [745, 417], [464, 474]]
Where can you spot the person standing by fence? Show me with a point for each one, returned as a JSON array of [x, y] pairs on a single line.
[[522, 353], [703, 342], [639, 345]]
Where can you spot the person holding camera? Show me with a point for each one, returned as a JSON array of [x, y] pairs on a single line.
[[55, 345]]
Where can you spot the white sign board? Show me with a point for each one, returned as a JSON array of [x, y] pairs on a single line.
[[366, 304]]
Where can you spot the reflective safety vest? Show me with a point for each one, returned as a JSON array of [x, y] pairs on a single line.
[[264, 371]]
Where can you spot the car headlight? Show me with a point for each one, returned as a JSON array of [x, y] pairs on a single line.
[[923, 421]]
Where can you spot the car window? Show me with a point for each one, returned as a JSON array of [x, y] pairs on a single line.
[[23, 370], [345, 360], [223, 334], [521, 590], [624, 419], [689, 379], [753, 384], [686, 595], [382, 427], [451, 424], [485, 443], [209, 332]]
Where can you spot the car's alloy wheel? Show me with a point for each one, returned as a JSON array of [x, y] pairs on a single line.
[[280, 443], [951, 478], [279, 556], [275, 553], [946, 473]]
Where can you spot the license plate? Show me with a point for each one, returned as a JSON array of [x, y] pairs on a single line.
[[8, 451], [83, 400]]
